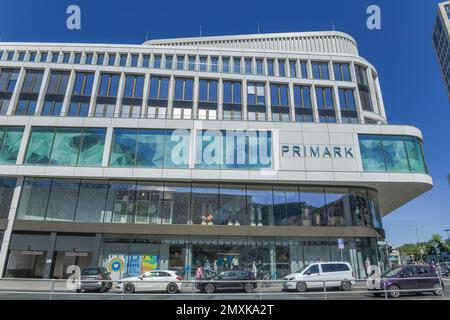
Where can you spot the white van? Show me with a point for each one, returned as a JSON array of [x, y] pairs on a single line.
[[315, 275]]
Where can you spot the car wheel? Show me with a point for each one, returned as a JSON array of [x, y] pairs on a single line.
[[346, 285], [301, 286], [249, 287], [209, 288], [437, 290], [172, 288], [128, 288], [394, 291]]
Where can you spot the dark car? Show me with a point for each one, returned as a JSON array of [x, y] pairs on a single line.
[[443, 271], [229, 280], [95, 279], [411, 278]]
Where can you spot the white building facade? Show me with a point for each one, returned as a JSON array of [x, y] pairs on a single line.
[[441, 41], [256, 152]]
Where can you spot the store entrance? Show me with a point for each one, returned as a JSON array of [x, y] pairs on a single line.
[[26, 264], [62, 260]]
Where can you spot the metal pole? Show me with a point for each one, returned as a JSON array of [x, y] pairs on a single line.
[[385, 289], [325, 290], [53, 288]]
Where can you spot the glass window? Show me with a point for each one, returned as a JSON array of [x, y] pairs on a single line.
[[363, 87], [395, 154], [83, 84], [237, 65], [7, 186], [415, 155], [293, 68], [176, 151], [169, 62], [89, 58], [214, 64], [66, 146], [324, 98], [32, 57], [10, 139], [347, 99], [58, 82], [248, 66], [342, 71], [232, 91], [134, 86], [149, 202], [256, 93], [134, 60], [208, 90], [225, 65], [313, 206], [111, 59], [302, 97], [40, 145], [259, 66], [270, 67], [150, 149], [191, 63], [90, 206], [180, 62], [338, 213], [176, 203], [360, 207], [123, 60], [100, 59], [32, 82], [108, 85], [281, 68], [279, 95], [8, 80], [287, 206], [232, 206], [26, 107], [372, 153], [34, 199], [146, 61], [183, 89], [124, 147], [159, 88], [320, 70], [62, 200], [203, 63], [260, 201], [205, 204], [77, 58], [92, 146]]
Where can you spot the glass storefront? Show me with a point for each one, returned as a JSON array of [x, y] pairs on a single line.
[[10, 139], [126, 255], [207, 204]]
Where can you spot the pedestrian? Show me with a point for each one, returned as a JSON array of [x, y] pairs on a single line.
[[198, 275]]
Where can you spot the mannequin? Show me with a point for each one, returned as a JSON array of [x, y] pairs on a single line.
[[317, 219], [235, 263], [215, 265], [358, 215], [252, 216], [254, 269], [259, 217], [207, 266], [306, 217], [204, 214], [236, 222]]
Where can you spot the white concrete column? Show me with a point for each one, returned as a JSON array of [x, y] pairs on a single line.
[[331, 69], [42, 92], [268, 102], [23, 145], [219, 98], [337, 104], [120, 91], [108, 147], [314, 104], [16, 92], [170, 97], [145, 95], [95, 87], [195, 97], [69, 89], [291, 101], [8, 232], [244, 99]]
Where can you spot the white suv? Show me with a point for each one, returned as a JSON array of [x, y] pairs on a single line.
[[315, 275]]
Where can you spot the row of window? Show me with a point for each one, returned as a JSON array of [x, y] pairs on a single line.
[[293, 68], [389, 153], [183, 95], [154, 148], [185, 203]]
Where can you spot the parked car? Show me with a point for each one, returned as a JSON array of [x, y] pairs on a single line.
[[313, 276], [443, 271], [156, 280], [415, 279], [95, 279], [229, 280]]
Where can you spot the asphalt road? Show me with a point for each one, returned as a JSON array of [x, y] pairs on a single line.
[[24, 292]]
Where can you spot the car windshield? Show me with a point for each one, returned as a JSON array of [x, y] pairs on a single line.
[[302, 269], [90, 272], [392, 272]]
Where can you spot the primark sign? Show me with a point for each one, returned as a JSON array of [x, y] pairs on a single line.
[[317, 151]]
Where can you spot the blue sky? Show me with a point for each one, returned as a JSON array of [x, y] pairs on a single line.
[[401, 51]]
